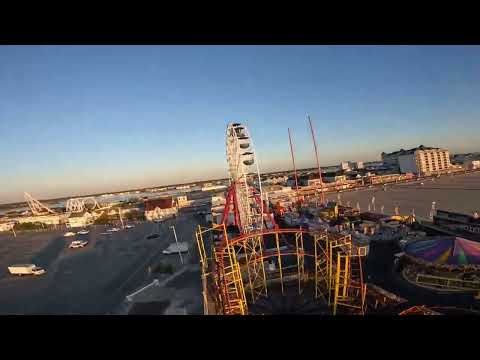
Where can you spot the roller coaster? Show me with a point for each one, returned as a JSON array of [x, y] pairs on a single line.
[[74, 205], [247, 273], [326, 267]]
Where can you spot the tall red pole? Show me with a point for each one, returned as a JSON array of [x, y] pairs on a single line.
[[293, 160], [318, 163]]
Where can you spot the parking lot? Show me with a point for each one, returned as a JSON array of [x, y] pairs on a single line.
[[90, 280], [459, 193]]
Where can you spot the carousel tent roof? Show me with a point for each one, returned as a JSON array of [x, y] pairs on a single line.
[[446, 251]]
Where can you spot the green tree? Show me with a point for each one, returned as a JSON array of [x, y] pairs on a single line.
[[102, 219], [28, 226]]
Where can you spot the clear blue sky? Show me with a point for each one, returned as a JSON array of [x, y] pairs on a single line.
[[82, 119]]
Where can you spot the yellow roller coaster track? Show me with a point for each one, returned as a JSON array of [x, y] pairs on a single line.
[[235, 269]]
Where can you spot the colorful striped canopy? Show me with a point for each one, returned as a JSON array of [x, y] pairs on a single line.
[[446, 251]]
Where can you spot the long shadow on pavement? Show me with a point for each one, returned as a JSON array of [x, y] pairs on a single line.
[[49, 254]]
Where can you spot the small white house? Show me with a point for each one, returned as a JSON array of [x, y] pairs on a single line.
[[182, 201]]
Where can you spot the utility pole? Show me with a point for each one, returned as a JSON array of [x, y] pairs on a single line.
[[176, 241], [121, 220], [318, 163]]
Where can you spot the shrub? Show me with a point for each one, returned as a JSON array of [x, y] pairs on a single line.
[[134, 215], [163, 268], [102, 220], [28, 226]]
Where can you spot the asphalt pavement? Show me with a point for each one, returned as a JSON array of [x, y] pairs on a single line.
[[459, 193], [90, 280]]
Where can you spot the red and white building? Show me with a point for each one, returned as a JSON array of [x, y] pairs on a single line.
[[157, 209]]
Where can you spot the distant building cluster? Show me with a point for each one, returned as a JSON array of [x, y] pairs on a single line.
[[279, 188], [421, 160], [216, 211], [470, 164], [213, 187]]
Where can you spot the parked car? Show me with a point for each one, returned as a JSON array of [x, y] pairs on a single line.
[[173, 248], [77, 244], [83, 232], [67, 234], [129, 226], [113, 229]]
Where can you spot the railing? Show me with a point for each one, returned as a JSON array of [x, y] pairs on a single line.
[[447, 283]]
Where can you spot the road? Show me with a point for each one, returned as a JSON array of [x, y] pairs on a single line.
[[92, 280]]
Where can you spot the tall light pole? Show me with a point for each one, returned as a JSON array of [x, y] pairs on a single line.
[[294, 167], [176, 241], [432, 212], [316, 157], [120, 215]]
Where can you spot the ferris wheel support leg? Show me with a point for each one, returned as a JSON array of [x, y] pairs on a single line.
[[235, 210], [226, 209]]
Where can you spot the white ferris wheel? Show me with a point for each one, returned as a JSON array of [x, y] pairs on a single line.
[[245, 191]]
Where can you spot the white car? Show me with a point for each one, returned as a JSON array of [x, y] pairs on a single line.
[[83, 232], [78, 244], [129, 226], [67, 234], [173, 248], [113, 229]]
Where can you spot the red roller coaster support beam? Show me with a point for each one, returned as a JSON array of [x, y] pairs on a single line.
[[228, 202], [231, 199], [235, 209]]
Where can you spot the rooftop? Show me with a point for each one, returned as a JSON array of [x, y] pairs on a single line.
[[410, 151], [445, 250], [162, 203]]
